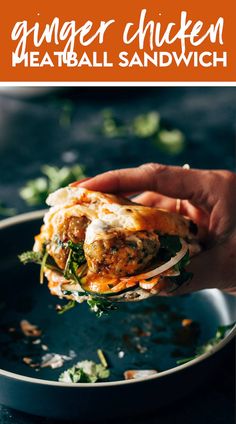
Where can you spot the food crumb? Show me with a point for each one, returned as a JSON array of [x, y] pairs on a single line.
[[121, 354], [36, 342], [186, 322], [27, 360], [29, 330], [140, 348], [44, 347], [136, 374]]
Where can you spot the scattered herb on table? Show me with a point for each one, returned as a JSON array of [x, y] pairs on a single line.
[[70, 305], [86, 371], [209, 345], [112, 126], [170, 141], [36, 191], [145, 126]]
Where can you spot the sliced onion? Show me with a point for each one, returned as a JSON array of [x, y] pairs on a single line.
[[148, 285], [160, 269]]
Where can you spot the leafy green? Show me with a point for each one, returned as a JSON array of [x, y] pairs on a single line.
[[75, 259], [39, 258], [208, 346], [170, 243], [36, 191], [30, 256], [112, 126], [183, 262], [78, 252], [184, 275], [70, 305], [171, 142], [85, 372], [145, 126], [100, 305]]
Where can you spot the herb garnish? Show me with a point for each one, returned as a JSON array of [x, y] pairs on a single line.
[[75, 259], [208, 346], [39, 258], [184, 275], [170, 243], [100, 305], [31, 257]]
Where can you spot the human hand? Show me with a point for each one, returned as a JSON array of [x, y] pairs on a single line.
[[207, 197]]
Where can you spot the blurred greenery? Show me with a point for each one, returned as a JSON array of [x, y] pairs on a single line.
[[36, 191], [112, 126], [170, 142], [145, 126], [66, 112]]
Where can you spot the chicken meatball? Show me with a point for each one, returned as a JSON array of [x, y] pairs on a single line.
[[73, 228], [122, 254]]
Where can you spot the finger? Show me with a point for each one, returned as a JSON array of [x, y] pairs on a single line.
[[150, 198], [209, 270], [170, 181]]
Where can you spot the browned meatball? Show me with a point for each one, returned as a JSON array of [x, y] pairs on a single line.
[[73, 229], [123, 254]]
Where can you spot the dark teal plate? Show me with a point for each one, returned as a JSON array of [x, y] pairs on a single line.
[[144, 335]]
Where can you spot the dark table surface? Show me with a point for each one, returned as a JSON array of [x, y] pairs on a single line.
[[39, 130]]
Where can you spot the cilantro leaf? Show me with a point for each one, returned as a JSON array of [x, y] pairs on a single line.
[[75, 259], [100, 305], [40, 258], [31, 257], [85, 372], [170, 243]]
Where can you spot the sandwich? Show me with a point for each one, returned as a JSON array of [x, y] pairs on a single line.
[[102, 248]]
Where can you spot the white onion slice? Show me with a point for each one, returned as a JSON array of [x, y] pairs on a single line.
[[147, 285], [160, 269]]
